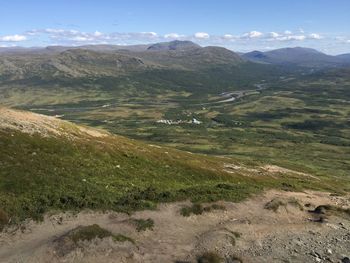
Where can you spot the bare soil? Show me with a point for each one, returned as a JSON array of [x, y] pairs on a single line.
[[246, 230]]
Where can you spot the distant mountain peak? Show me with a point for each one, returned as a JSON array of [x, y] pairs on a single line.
[[298, 56], [174, 45]]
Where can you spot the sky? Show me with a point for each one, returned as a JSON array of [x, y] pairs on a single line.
[[235, 24]]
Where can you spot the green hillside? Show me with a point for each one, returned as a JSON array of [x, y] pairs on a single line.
[[48, 164]]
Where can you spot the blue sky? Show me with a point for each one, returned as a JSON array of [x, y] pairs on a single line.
[[238, 25]]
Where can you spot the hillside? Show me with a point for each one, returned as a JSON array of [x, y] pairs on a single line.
[[77, 181], [344, 57], [49, 164]]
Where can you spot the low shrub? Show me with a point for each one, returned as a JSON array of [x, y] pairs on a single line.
[[198, 209], [143, 224], [94, 231]]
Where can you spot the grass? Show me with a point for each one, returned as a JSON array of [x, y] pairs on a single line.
[[91, 232], [198, 209], [107, 173], [143, 224]]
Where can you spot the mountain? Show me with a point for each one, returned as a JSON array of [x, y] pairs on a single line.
[[176, 60], [190, 56], [344, 57], [298, 56], [58, 49], [173, 45], [72, 63]]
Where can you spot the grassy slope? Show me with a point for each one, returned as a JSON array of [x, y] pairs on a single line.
[[38, 174]]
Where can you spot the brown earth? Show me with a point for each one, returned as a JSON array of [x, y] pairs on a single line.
[[289, 234]]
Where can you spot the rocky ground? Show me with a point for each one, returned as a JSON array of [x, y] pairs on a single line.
[[274, 227]]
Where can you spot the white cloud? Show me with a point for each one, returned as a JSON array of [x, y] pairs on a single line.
[[81, 39], [314, 36], [297, 37], [173, 36], [149, 34], [289, 36], [13, 38], [252, 34], [348, 41], [201, 35], [228, 36], [274, 35], [292, 37], [98, 34]]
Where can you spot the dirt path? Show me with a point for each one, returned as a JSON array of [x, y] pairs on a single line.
[[287, 235]]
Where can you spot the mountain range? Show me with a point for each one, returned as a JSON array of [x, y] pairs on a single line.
[[298, 56]]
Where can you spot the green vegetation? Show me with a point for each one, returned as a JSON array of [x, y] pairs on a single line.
[[143, 224], [39, 174], [276, 203], [198, 209], [91, 232], [283, 124]]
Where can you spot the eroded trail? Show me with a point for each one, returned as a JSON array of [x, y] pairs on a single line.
[[245, 230]]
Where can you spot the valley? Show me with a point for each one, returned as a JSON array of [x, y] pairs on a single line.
[[173, 152], [258, 125]]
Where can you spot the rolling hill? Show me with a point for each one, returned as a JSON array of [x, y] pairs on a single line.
[[107, 60], [177, 65]]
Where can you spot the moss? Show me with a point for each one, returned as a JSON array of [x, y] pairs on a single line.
[[88, 233]]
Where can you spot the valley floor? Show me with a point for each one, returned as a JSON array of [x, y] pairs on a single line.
[[242, 232]]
